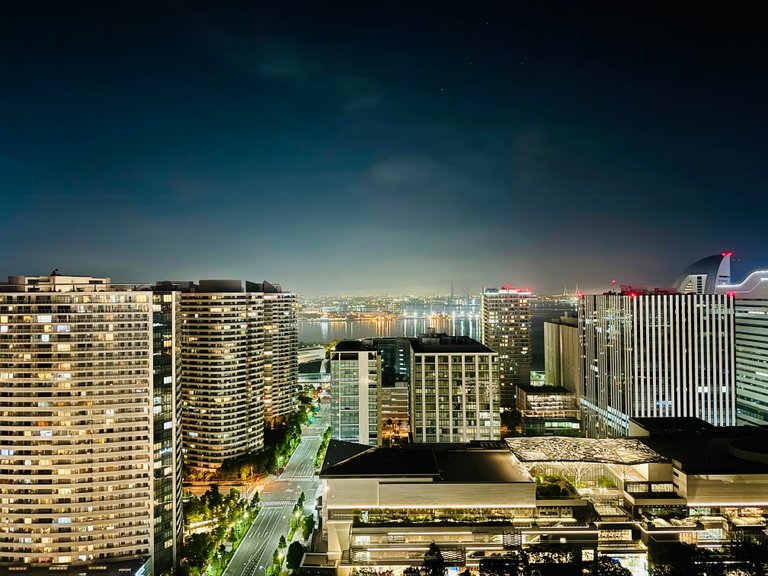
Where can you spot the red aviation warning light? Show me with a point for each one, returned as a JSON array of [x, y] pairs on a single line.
[[729, 254]]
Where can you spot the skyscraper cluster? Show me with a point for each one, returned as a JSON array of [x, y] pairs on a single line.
[[697, 349], [96, 379], [440, 388]]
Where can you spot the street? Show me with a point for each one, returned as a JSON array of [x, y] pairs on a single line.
[[278, 498]]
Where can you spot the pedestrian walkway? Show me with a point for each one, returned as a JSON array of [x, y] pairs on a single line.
[[280, 502]]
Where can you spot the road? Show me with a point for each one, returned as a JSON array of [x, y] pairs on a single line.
[[278, 498]]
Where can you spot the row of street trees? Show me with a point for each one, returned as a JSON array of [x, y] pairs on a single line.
[[320, 456], [295, 552], [224, 520], [280, 440]]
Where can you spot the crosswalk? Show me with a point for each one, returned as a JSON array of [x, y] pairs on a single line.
[[279, 501]]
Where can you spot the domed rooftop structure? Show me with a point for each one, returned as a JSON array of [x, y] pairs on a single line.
[[704, 275]]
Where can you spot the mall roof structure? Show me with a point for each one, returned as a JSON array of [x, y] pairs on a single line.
[[564, 449]]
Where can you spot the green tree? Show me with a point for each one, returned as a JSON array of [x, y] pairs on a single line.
[[751, 554], [282, 543], [307, 526], [605, 566], [672, 559], [511, 419], [516, 564], [434, 561], [198, 549], [294, 555], [214, 497]]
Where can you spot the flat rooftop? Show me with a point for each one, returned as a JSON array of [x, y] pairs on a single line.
[[673, 426], [531, 389], [385, 463], [444, 344], [478, 466], [447, 463], [566, 449], [735, 450], [339, 451], [355, 346], [426, 344]]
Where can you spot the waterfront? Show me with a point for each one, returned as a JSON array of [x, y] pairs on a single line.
[[326, 332], [315, 331]]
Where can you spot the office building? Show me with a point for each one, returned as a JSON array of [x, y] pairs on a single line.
[[281, 344], [706, 275], [166, 443], [385, 399], [355, 385], [543, 309], [506, 328], [562, 353], [454, 390], [439, 389], [396, 360], [77, 481], [223, 375], [751, 347], [655, 354], [548, 411], [393, 413]]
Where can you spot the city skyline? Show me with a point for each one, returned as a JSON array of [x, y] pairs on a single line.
[[398, 149]]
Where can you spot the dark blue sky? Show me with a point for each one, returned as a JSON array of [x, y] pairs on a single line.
[[381, 147]]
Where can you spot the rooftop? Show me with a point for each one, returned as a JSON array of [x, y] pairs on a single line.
[[355, 346], [442, 344], [446, 463], [530, 389], [339, 450], [432, 343], [626, 451], [721, 450], [669, 426], [477, 466], [384, 462]]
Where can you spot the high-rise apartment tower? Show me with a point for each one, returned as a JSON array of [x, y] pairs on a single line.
[[281, 345], [222, 367], [83, 465], [506, 328]]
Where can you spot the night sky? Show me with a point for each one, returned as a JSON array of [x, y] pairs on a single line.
[[382, 147]]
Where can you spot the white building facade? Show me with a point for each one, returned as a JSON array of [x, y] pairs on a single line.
[[656, 355], [454, 390], [751, 342], [355, 387]]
